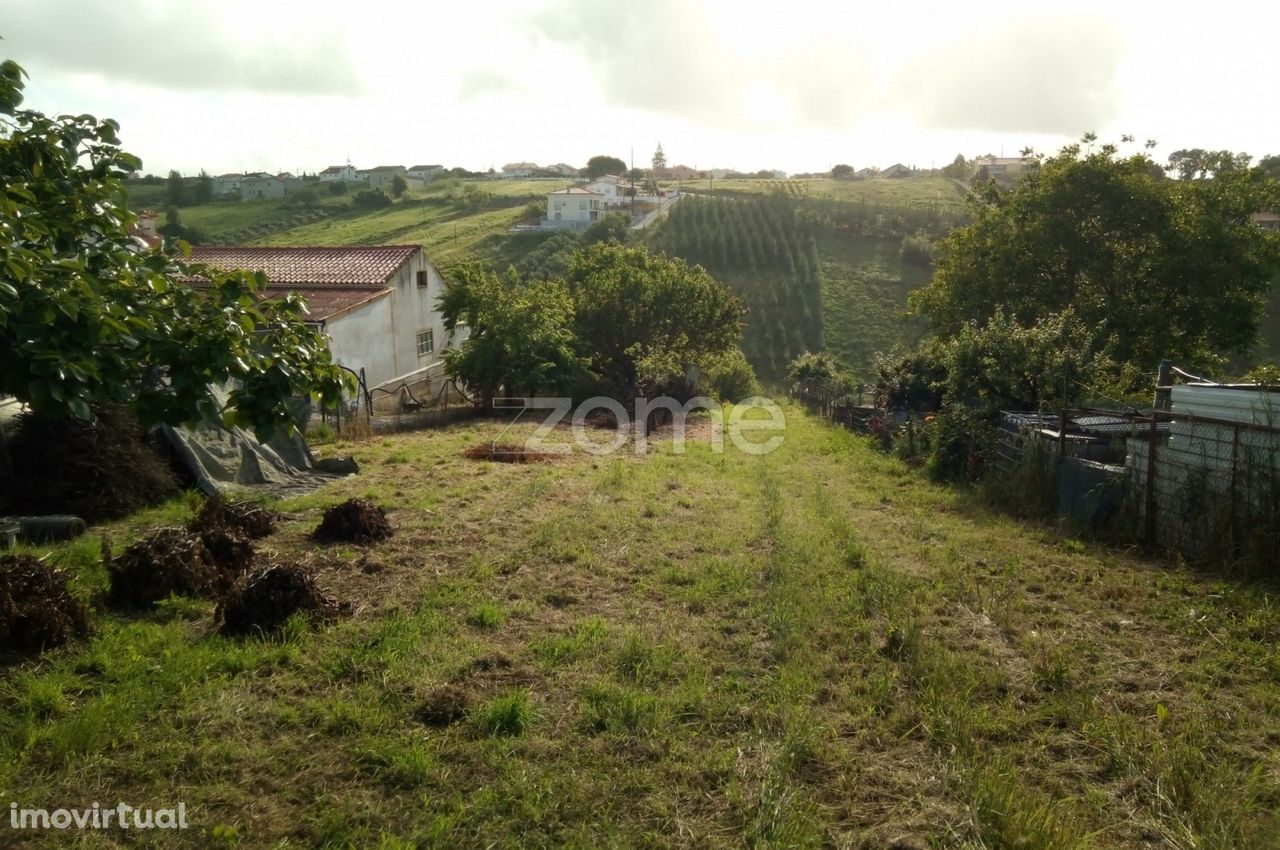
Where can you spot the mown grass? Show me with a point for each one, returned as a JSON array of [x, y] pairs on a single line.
[[812, 648]]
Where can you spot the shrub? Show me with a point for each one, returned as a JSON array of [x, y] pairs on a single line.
[[98, 470], [371, 199], [728, 377], [962, 439]]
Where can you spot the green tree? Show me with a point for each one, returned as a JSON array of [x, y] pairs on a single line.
[[1154, 268], [659, 158], [398, 186], [176, 189], [521, 334], [88, 317], [842, 171], [646, 318], [610, 228], [1199, 164], [816, 369], [599, 166], [203, 192], [958, 169], [1270, 166]]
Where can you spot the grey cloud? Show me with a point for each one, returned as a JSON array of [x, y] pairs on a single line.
[[1044, 76], [827, 85], [478, 83], [174, 46], [662, 55]]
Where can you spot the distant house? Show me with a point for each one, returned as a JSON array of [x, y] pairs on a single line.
[[261, 185], [225, 184], [1002, 169], [425, 172], [574, 207], [512, 170], [376, 304], [336, 173], [382, 176], [614, 189], [865, 173], [562, 169], [896, 170], [1267, 220]]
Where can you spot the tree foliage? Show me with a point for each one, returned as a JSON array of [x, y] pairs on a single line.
[[90, 316], [599, 166], [398, 186], [1153, 268], [645, 318], [958, 169], [659, 159], [623, 322], [202, 193], [521, 334], [176, 190], [1200, 164], [842, 171]]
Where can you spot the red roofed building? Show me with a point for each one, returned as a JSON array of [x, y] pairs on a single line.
[[376, 304]]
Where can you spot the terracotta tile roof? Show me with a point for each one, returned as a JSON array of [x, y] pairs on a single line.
[[333, 280], [325, 301], [368, 266]]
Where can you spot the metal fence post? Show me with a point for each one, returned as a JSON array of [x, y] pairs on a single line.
[[1151, 482]]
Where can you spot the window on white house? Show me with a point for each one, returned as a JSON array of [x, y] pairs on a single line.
[[582, 205], [426, 342]]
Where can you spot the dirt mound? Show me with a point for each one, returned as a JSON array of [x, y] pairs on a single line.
[[263, 600], [37, 611], [445, 705], [103, 469], [251, 520], [508, 453], [353, 521], [230, 551], [168, 561]]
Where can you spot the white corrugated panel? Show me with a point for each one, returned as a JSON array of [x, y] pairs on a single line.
[[1256, 407]]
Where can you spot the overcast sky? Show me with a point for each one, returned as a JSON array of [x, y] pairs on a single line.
[[799, 85]]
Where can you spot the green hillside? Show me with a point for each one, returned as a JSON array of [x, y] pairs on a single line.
[[763, 249], [907, 191]]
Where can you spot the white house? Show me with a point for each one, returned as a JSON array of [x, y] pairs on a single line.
[[334, 173], [896, 170], [574, 207], [225, 184], [376, 304], [518, 169], [425, 172], [615, 190]]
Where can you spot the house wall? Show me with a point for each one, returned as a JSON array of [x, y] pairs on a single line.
[[346, 173], [359, 339], [381, 336], [571, 208], [262, 189]]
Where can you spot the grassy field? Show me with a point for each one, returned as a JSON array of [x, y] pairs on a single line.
[[909, 191], [811, 648]]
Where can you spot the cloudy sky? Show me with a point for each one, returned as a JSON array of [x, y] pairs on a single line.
[[797, 85]]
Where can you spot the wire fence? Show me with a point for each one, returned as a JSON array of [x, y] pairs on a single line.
[[1208, 487]]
